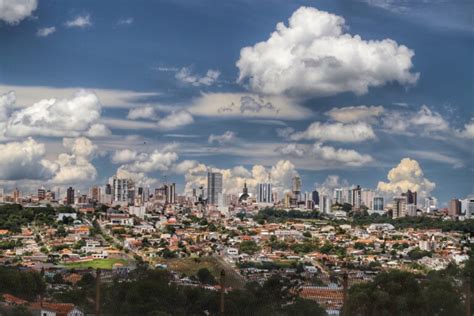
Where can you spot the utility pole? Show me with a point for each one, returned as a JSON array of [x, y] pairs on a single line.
[[97, 293], [222, 292]]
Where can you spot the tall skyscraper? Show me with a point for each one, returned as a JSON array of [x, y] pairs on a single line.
[[431, 204], [41, 193], [296, 188], [411, 197], [123, 190], [264, 193], [454, 207], [367, 198], [2, 195], [16, 196], [315, 197], [70, 196], [214, 187], [399, 207], [338, 195], [325, 204], [378, 203], [356, 198], [95, 193], [170, 193]]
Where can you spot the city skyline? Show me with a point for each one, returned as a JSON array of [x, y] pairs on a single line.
[[195, 100]]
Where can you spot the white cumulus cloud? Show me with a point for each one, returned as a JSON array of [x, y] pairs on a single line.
[[175, 119], [338, 132], [407, 175], [80, 21], [23, 160], [347, 157], [185, 75], [52, 117], [468, 131], [226, 138], [75, 167], [281, 174], [46, 31], [13, 11], [314, 56], [355, 113], [143, 112], [248, 105]]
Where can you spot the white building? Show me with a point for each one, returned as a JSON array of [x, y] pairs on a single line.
[[264, 193]]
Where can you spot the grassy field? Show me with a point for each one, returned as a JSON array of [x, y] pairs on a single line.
[[105, 264], [190, 266]]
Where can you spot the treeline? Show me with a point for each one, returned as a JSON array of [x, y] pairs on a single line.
[[397, 292], [417, 222], [153, 292], [24, 284], [14, 216], [275, 215]]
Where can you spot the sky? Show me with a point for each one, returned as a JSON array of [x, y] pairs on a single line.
[[371, 92]]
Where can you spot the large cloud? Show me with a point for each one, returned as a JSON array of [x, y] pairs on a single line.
[[247, 105], [175, 119], [23, 160], [338, 132], [468, 131], [186, 76], [26, 161], [326, 155], [281, 173], [314, 56], [7, 102], [13, 11], [52, 117], [425, 122], [226, 138], [355, 113], [75, 167], [347, 157], [408, 175], [137, 166]]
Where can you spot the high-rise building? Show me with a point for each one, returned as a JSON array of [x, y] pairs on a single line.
[[214, 187], [264, 193], [16, 195], [411, 210], [120, 189], [377, 204], [338, 196], [95, 193], [315, 197], [160, 194], [325, 204], [367, 198], [41, 193], [2, 195], [470, 208], [431, 204], [454, 207], [170, 193], [356, 198], [70, 196], [399, 207], [296, 187], [411, 197]]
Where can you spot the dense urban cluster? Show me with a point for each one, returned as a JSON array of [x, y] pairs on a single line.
[[328, 243]]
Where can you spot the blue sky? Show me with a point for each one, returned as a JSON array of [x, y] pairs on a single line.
[[346, 89]]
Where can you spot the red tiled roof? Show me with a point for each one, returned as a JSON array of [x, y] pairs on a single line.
[[11, 299]]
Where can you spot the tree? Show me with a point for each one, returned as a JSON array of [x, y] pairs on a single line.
[[205, 276], [249, 247]]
